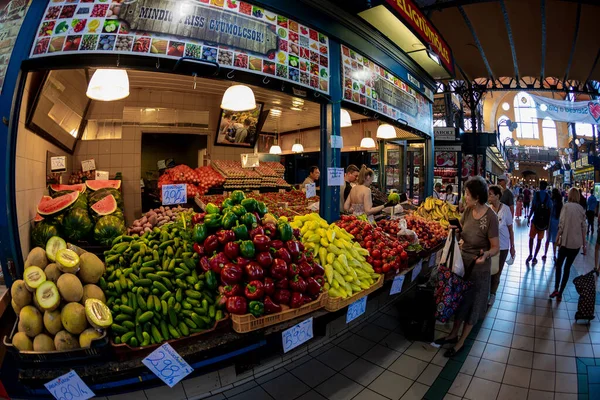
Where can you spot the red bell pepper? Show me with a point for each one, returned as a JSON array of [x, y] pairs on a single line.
[[306, 270], [254, 290], [282, 296], [242, 262], [270, 229], [230, 290], [270, 306], [277, 244], [198, 218], [298, 284], [257, 231], [297, 300], [301, 246], [301, 259], [320, 280], [254, 271], [293, 248], [217, 262], [269, 286], [199, 249], [265, 259], [282, 283], [279, 269], [231, 274], [284, 254], [293, 270], [225, 236], [318, 269], [297, 233], [232, 250], [205, 264], [211, 244], [261, 242], [313, 287], [237, 305]]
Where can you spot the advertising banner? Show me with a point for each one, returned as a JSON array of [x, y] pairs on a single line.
[[371, 86], [12, 13], [586, 112], [233, 33], [445, 159]]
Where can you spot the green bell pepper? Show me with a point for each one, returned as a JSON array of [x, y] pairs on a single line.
[[249, 204], [212, 221], [240, 231], [247, 249], [257, 308], [249, 220], [238, 210], [227, 203], [200, 233], [229, 220], [237, 196], [211, 280], [212, 209], [261, 208], [284, 230]]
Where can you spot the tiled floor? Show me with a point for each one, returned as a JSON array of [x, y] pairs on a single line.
[[528, 348]]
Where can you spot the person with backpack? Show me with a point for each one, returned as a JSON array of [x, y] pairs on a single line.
[[557, 204], [592, 210], [526, 200], [540, 213], [570, 238]]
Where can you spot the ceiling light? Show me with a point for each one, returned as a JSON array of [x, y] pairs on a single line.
[[367, 141], [238, 98], [516, 142], [346, 121], [275, 112], [296, 109], [108, 85], [275, 149], [386, 131], [296, 102], [297, 147], [505, 106], [434, 57]]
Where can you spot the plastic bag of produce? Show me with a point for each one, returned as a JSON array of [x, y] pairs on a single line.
[[451, 255], [406, 233]]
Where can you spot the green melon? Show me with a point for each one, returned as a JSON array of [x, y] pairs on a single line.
[[77, 224], [107, 228], [42, 232]]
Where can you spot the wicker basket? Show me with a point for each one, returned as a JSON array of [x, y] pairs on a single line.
[[248, 322], [337, 303]]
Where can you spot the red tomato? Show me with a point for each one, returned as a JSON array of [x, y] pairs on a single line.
[[376, 254], [386, 267]]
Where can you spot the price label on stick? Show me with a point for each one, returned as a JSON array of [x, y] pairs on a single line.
[[165, 363], [356, 309], [297, 335], [174, 194], [69, 386], [397, 284], [88, 165], [58, 164], [417, 270], [311, 190]]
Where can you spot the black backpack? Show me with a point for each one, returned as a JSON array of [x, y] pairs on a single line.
[[541, 216]]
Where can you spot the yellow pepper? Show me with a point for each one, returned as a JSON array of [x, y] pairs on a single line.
[[314, 238], [334, 249], [331, 235], [329, 272], [324, 242], [343, 260], [323, 255], [330, 258]]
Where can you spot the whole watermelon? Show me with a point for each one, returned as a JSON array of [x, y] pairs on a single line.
[[77, 224], [42, 232], [102, 193], [82, 201], [107, 228]]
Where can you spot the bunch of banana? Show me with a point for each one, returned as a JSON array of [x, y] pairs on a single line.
[[438, 210]]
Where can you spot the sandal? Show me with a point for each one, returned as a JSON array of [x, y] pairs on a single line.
[[453, 352], [443, 341]]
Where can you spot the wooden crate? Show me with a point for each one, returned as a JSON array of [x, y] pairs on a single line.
[[248, 322], [337, 303]]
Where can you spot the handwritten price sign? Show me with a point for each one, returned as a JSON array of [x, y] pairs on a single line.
[[174, 194], [69, 387], [165, 363], [397, 284], [335, 176], [311, 190], [417, 270], [58, 164], [88, 165], [297, 335], [356, 309]]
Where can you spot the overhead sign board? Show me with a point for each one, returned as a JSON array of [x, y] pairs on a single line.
[[445, 134]]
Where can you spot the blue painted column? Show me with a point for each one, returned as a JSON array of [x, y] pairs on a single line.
[[329, 205]]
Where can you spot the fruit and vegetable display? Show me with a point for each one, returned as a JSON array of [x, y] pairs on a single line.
[[59, 304], [438, 210], [198, 180], [156, 217], [344, 261], [429, 233], [266, 175], [81, 177]]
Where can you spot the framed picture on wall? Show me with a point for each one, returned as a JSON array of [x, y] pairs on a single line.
[[240, 129]]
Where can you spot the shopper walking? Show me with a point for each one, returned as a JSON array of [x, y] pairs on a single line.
[[507, 195], [570, 238], [526, 200], [582, 200], [540, 211], [479, 233], [592, 210], [505, 233], [519, 209], [557, 203]]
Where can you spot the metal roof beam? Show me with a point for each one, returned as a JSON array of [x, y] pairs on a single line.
[[477, 42], [510, 38], [577, 20], [543, 15], [593, 67]]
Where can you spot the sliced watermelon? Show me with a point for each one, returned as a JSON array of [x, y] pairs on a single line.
[[97, 185], [70, 188], [106, 206], [38, 217], [50, 206]]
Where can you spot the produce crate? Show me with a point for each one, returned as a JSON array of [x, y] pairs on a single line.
[[98, 349], [248, 322], [337, 303], [125, 352]]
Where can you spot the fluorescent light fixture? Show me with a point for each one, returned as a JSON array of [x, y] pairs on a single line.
[[386, 131], [108, 85], [434, 57], [296, 109], [297, 147], [346, 121], [275, 112], [238, 98]]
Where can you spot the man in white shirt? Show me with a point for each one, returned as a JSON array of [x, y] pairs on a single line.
[[437, 191]]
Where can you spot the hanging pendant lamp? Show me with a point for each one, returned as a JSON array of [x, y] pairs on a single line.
[[386, 131], [367, 142], [275, 149], [346, 121], [108, 85], [238, 98], [297, 147]]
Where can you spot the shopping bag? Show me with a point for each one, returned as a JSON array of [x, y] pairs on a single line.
[[495, 268], [448, 255]]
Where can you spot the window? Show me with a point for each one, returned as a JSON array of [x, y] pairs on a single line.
[[584, 130], [439, 123], [526, 116], [503, 129], [549, 133]]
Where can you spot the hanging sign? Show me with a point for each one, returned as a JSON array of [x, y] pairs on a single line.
[[586, 112], [356, 309], [448, 134], [335, 176], [69, 386], [166, 364], [297, 335], [58, 164]]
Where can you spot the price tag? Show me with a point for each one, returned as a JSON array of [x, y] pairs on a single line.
[[337, 142], [356, 309], [88, 165], [249, 160], [432, 259], [417, 270], [58, 164], [335, 176], [397, 284], [174, 194], [101, 175], [165, 363], [69, 386], [311, 190], [161, 164], [297, 335]]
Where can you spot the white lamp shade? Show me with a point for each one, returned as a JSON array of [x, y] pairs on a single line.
[[386, 131], [238, 98], [298, 148], [275, 149], [367, 143], [108, 85], [346, 121]]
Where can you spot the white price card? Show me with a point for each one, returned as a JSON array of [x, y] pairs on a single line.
[[311, 190], [432, 259], [101, 175], [250, 160], [417, 270], [356, 309], [297, 335], [58, 164], [337, 142], [69, 386], [335, 176], [397, 284], [165, 363], [88, 165], [174, 194]]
